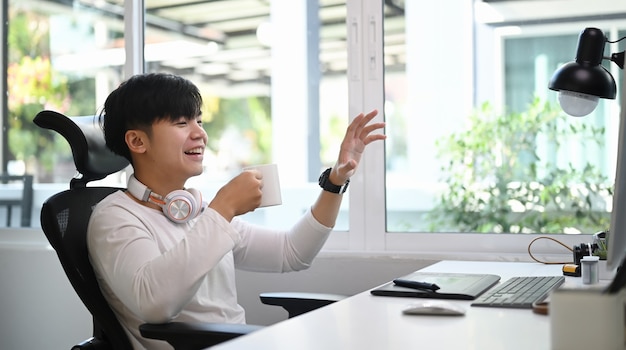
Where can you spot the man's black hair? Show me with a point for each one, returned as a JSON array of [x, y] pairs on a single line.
[[144, 99]]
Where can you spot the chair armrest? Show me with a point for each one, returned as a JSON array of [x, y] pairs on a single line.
[[191, 336], [92, 344], [297, 303]]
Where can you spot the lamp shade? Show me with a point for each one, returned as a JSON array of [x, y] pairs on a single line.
[[594, 81], [586, 75]]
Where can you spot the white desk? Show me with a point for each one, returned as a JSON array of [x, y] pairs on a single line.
[[365, 321]]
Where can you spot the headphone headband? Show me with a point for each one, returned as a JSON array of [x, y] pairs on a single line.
[[179, 206], [138, 190]]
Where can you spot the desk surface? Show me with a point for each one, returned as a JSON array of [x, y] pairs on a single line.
[[365, 321]]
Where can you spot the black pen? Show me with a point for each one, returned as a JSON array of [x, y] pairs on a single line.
[[416, 284]]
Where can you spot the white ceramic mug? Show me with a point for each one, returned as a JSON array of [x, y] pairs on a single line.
[[270, 184]]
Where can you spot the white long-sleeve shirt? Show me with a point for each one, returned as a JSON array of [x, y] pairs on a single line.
[[153, 270]]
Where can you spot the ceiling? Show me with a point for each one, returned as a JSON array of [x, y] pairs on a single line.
[[218, 39]]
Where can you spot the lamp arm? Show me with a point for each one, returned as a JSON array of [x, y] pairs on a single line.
[[618, 58]]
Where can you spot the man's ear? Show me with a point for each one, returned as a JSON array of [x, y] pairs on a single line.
[[136, 140]]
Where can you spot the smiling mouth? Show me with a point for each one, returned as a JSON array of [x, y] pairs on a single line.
[[195, 151]]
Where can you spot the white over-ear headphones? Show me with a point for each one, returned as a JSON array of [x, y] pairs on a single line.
[[179, 206]]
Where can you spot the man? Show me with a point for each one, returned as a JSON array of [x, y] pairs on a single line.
[[160, 253]]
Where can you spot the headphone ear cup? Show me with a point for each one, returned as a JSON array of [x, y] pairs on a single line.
[[202, 205], [180, 206]]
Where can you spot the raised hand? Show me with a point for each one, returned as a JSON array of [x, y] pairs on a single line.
[[358, 135]]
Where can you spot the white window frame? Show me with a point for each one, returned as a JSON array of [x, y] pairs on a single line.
[[367, 229], [367, 233]]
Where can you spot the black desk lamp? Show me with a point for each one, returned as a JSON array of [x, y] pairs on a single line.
[[581, 83]]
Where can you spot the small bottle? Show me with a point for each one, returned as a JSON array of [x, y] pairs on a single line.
[[590, 269]]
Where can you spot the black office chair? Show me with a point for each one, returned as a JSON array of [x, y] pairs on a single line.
[[64, 219]]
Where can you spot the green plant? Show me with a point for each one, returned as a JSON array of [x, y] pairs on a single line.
[[246, 122], [497, 181], [33, 86]]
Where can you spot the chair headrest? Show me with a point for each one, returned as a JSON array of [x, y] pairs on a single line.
[[93, 160]]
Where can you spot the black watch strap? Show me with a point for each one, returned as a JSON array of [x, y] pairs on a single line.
[[326, 185]]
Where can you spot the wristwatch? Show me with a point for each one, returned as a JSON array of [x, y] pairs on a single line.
[[326, 185]]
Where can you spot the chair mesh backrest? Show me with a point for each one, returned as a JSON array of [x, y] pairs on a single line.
[[64, 219], [65, 216]]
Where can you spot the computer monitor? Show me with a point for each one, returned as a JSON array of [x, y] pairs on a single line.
[[616, 238]]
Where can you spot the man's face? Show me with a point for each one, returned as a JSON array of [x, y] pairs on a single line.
[[177, 147]]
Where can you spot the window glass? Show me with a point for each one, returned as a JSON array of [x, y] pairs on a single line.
[[254, 113], [476, 140], [60, 57], [272, 75]]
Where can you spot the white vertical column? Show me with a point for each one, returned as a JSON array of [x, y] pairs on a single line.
[[439, 72], [289, 89], [365, 81], [134, 25]]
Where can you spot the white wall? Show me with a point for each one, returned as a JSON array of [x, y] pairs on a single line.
[[39, 309], [338, 273]]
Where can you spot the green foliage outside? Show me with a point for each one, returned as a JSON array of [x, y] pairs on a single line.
[[488, 165], [33, 86], [249, 118]]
